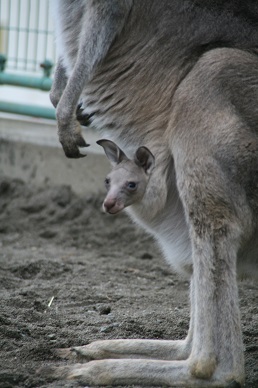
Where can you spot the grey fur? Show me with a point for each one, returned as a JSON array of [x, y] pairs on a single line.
[[180, 77], [127, 182]]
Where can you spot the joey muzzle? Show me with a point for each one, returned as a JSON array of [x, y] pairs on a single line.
[[112, 206]]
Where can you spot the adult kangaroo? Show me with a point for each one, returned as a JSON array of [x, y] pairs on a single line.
[[181, 78]]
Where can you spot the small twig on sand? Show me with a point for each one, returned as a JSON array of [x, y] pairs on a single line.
[[50, 302]]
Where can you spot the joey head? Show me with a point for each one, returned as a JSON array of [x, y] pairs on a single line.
[[127, 182]]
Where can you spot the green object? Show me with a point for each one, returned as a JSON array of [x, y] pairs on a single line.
[[42, 83], [27, 110]]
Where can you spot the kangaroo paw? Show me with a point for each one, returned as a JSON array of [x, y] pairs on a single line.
[[83, 118], [74, 145]]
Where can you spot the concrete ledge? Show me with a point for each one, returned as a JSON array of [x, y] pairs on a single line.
[[29, 150]]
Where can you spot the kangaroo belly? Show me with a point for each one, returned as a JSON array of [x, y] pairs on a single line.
[[177, 252], [171, 233]]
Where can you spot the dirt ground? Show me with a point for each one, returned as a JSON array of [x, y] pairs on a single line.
[[104, 276]]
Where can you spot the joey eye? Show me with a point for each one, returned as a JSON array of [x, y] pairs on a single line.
[[131, 185], [107, 182]]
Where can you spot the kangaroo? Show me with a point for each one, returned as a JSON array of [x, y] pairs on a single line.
[[180, 77]]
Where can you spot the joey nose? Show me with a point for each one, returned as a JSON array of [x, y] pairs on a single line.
[[108, 204], [112, 206]]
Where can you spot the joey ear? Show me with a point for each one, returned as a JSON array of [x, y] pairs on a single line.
[[145, 159], [113, 152]]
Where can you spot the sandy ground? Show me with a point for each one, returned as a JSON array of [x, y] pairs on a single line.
[[107, 279]]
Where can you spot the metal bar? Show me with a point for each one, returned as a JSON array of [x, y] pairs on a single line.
[[27, 110], [27, 36], [23, 29], [43, 83], [46, 29], [7, 30], [24, 59], [36, 43], [17, 30]]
